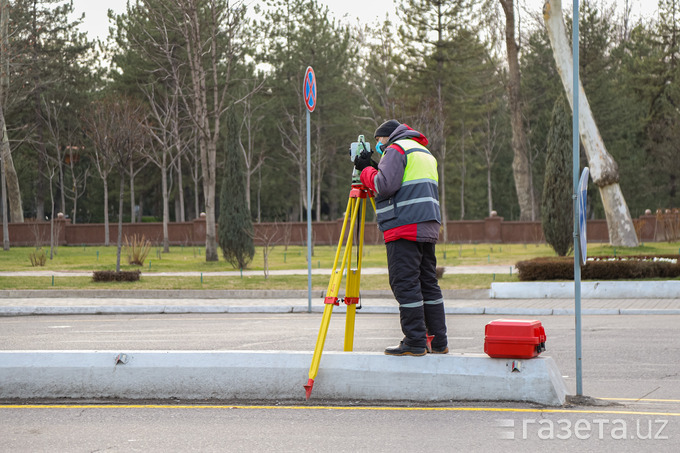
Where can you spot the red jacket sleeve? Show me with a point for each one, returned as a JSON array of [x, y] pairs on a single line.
[[368, 178]]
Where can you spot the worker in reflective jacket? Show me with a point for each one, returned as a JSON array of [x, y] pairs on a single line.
[[405, 184]]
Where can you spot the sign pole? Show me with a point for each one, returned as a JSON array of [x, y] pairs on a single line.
[[309, 215], [576, 170], [309, 90]]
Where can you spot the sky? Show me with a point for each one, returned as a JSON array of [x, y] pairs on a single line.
[[367, 11]]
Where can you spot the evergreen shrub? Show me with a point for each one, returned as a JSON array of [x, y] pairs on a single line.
[[601, 268]]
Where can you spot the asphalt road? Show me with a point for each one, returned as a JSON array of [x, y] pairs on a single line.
[[632, 361]]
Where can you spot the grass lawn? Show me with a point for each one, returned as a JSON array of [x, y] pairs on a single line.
[[192, 259]]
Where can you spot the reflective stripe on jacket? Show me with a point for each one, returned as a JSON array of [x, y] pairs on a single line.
[[417, 200]]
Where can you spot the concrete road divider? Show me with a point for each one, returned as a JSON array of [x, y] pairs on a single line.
[[666, 289], [277, 375]]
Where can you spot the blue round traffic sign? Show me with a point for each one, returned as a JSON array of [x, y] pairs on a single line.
[[582, 203], [309, 89]]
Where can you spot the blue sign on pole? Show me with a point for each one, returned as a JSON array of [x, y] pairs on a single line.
[[583, 214], [309, 89]]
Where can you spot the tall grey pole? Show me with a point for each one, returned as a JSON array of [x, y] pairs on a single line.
[[576, 172], [309, 216]]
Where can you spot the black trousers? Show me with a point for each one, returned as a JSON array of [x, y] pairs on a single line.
[[413, 279]]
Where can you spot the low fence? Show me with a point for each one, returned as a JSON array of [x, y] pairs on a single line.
[[490, 230]]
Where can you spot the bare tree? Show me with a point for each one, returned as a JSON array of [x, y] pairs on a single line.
[[52, 161], [487, 150], [269, 237], [116, 128], [96, 121], [211, 30], [164, 152], [251, 125], [132, 171], [293, 143], [520, 164], [11, 181], [79, 176]]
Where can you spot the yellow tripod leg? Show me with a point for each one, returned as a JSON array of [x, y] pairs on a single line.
[[353, 285], [331, 295], [351, 299]]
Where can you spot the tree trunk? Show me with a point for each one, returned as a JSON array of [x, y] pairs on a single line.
[[303, 191], [166, 205], [132, 193], [209, 177], [259, 195], [51, 219], [488, 188], [463, 171], [603, 168], [106, 213], [119, 241], [75, 204], [62, 198], [16, 210], [180, 191], [5, 220], [520, 162]]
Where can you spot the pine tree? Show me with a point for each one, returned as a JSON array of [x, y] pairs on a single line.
[[235, 228], [556, 204]]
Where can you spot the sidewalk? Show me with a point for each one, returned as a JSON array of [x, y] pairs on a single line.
[[486, 269]]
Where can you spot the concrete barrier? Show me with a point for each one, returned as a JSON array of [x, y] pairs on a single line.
[[277, 375], [666, 289]]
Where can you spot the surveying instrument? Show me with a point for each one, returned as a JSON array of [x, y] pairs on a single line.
[[355, 216]]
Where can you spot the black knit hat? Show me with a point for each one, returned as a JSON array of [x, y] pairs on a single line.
[[386, 128]]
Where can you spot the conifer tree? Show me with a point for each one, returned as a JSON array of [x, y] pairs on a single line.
[[556, 204], [235, 228]]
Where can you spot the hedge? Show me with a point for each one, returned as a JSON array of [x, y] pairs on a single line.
[[601, 268], [113, 276]]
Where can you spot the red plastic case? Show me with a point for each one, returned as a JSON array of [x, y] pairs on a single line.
[[514, 338]]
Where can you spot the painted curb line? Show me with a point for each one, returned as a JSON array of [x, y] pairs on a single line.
[[272, 375]]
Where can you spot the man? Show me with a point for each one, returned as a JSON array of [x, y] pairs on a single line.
[[405, 184]]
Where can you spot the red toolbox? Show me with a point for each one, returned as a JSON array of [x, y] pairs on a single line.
[[514, 338]]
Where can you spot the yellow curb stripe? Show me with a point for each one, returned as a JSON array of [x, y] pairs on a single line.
[[641, 400], [336, 408]]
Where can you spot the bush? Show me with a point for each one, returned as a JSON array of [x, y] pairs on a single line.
[[137, 250], [113, 276], [601, 268], [38, 258]]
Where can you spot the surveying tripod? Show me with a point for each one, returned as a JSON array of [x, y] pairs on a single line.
[[356, 204]]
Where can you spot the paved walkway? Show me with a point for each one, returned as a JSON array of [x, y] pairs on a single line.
[[487, 269]]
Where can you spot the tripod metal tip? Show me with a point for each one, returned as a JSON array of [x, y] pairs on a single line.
[[308, 388], [429, 342]]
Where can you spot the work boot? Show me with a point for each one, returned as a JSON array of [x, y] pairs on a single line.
[[404, 349], [442, 350]]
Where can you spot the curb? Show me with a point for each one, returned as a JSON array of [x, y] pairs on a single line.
[[619, 289], [274, 375]]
